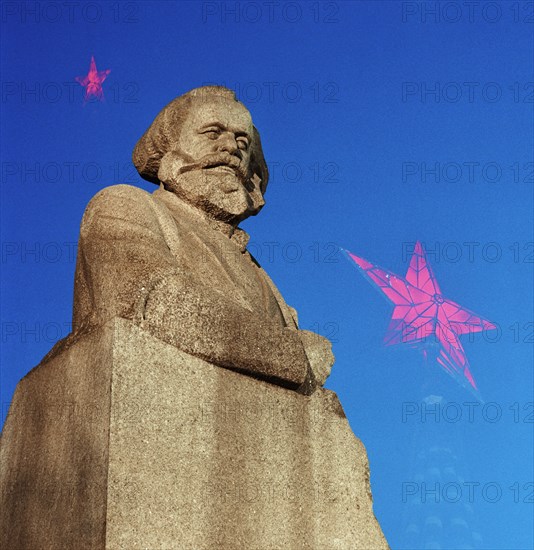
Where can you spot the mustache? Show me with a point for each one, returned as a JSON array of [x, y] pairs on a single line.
[[218, 159]]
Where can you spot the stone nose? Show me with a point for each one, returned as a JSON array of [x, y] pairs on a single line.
[[228, 144]]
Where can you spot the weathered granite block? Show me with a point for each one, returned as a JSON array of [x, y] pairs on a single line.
[[124, 441]]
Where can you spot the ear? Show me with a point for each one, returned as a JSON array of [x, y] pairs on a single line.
[[256, 194], [258, 165]]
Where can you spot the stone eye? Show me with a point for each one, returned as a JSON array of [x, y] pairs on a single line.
[[242, 143], [212, 134]]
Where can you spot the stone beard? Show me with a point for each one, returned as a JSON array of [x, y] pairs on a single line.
[[175, 261]]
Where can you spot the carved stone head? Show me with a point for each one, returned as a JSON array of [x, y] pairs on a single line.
[[204, 148]]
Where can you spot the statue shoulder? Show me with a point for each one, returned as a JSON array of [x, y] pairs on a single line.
[[118, 195], [121, 199], [119, 204]]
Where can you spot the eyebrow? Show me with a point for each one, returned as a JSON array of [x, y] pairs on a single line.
[[237, 132]]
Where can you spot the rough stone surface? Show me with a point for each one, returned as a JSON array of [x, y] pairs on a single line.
[[130, 434], [175, 261], [54, 451], [124, 441]]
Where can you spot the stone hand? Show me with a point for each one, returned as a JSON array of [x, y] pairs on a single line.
[[319, 352]]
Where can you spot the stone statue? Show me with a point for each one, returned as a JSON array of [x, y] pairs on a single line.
[[175, 261], [128, 434]]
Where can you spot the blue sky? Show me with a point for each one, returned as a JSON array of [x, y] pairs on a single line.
[[383, 123]]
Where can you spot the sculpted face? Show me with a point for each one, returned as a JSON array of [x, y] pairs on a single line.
[[209, 166]]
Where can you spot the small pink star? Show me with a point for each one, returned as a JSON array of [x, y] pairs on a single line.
[[92, 82]]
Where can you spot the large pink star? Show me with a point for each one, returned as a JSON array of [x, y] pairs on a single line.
[[92, 82], [422, 313]]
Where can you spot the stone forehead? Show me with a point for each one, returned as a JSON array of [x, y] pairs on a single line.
[[219, 109]]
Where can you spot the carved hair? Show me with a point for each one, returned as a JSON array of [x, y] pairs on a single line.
[[162, 135]]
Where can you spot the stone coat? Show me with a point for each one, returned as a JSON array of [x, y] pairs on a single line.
[[158, 261]]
